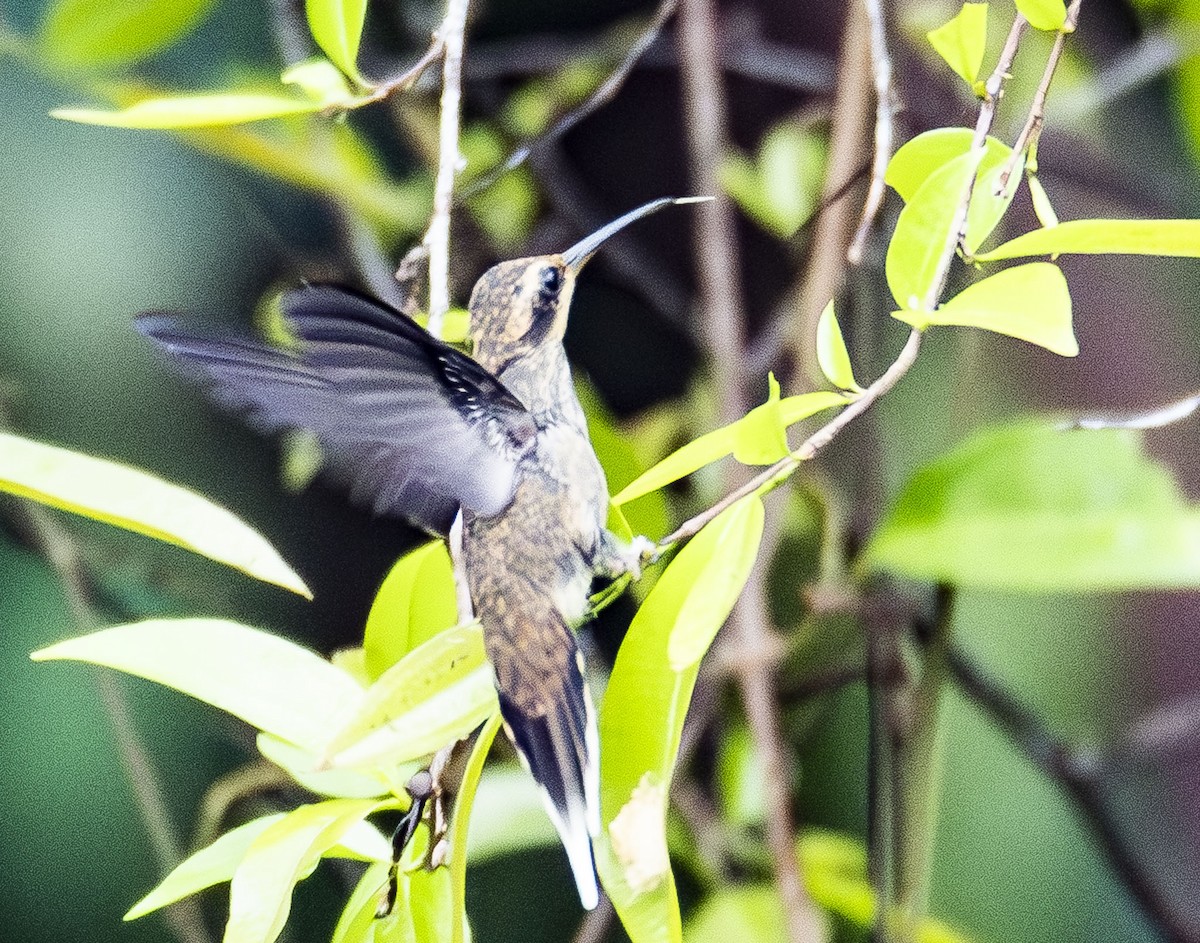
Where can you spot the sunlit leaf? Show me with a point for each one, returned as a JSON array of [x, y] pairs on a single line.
[[337, 27], [212, 865], [1030, 302], [832, 355], [759, 436], [320, 81], [1032, 507], [193, 111], [752, 912], [260, 893], [269, 682], [431, 900], [436, 694], [90, 34], [710, 572], [719, 443], [1169, 237], [117, 494], [780, 188], [460, 819], [962, 40], [924, 229], [641, 719], [357, 922], [302, 765], [1042, 206], [415, 602], [1043, 14]]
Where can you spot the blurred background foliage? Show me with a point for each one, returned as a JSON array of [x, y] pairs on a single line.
[[102, 224]]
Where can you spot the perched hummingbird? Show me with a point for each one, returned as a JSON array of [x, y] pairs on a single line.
[[492, 452]]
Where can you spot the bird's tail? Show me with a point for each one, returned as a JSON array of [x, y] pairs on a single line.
[[554, 731]]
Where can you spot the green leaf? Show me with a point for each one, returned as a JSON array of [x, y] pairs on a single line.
[[709, 574], [337, 27], [1168, 237], [269, 682], [1032, 507], [193, 111], [120, 495], [1042, 206], [917, 159], [436, 694], [641, 719], [962, 40], [780, 188], [832, 355], [357, 922], [460, 820], [302, 765], [260, 893], [1030, 302], [922, 231], [94, 34], [759, 436], [1043, 14], [719, 443], [740, 913], [415, 603], [321, 82], [212, 865]]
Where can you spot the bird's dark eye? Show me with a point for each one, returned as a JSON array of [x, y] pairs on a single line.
[[551, 280]]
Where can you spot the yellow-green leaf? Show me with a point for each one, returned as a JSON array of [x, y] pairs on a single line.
[[320, 81], [717, 562], [1044, 14], [832, 355], [759, 436], [415, 602], [117, 494], [961, 41], [267, 681], [1030, 302], [337, 27], [436, 694], [924, 228], [91, 34], [302, 765], [1042, 206], [193, 111], [260, 893], [1168, 237]]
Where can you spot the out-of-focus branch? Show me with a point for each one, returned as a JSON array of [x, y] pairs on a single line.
[[603, 94], [719, 276], [1076, 774], [57, 546], [881, 70], [437, 238]]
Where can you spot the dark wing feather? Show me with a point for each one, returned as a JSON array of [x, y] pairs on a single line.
[[416, 428]]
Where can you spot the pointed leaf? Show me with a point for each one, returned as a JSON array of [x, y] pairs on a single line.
[[90, 34], [337, 27], [1169, 237], [117, 494], [415, 602], [759, 436], [460, 821], [922, 231], [269, 682], [1042, 206], [320, 81], [436, 694], [1044, 14], [717, 562], [1031, 507], [193, 111], [302, 765], [962, 40], [260, 893], [358, 921], [1030, 302], [832, 355]]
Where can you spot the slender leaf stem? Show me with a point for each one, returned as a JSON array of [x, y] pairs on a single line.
[[881, 70]]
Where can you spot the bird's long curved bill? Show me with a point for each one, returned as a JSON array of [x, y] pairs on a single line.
[[576, 256]]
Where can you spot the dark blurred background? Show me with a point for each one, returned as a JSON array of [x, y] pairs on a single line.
[[99, 225]]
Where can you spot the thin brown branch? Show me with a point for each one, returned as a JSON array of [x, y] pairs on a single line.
[[604, 93], [1032, 130], [437, 238], [881, 70], [408, 78]]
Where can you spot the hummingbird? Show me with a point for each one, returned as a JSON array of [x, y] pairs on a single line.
[[490, 451]]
